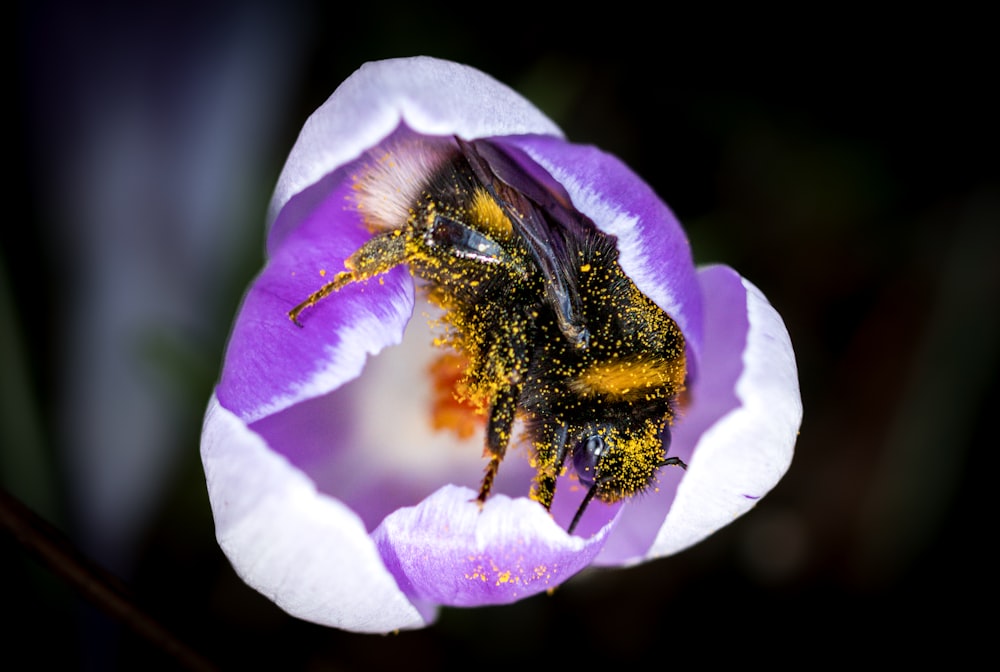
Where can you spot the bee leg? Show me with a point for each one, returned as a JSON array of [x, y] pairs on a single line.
[[551, 455], [498, 431], [339, 280], [381, 253]]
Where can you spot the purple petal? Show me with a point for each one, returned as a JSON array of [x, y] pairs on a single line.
[[370, 443], [448, 551], [270, 363], [430, 96], [745, 418], [305, 551], [748, 384]]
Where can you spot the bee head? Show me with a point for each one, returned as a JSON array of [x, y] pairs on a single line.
[[619, 461]]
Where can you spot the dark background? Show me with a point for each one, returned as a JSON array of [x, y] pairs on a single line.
[[847, 168]]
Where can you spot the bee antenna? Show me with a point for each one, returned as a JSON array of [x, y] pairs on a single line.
[[583, 505], [673, 462], [668, 462]]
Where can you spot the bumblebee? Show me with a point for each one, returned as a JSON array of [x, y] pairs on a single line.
[[553, 331]]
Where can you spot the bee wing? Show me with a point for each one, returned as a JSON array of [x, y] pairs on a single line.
[[546, 222]]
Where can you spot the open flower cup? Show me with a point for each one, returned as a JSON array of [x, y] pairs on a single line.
[[332, 493]]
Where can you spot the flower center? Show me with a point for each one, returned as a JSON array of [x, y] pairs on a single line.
[[451, 409]]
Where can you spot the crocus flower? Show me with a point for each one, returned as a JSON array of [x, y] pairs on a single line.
[[332, 493]]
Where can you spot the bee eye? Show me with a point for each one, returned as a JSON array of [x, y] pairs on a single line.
[[587, 455]]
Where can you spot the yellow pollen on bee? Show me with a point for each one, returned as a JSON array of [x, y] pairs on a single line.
[[486, 212], [628, 378]]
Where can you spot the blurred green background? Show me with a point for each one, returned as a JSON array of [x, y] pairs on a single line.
[[848, 170]]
